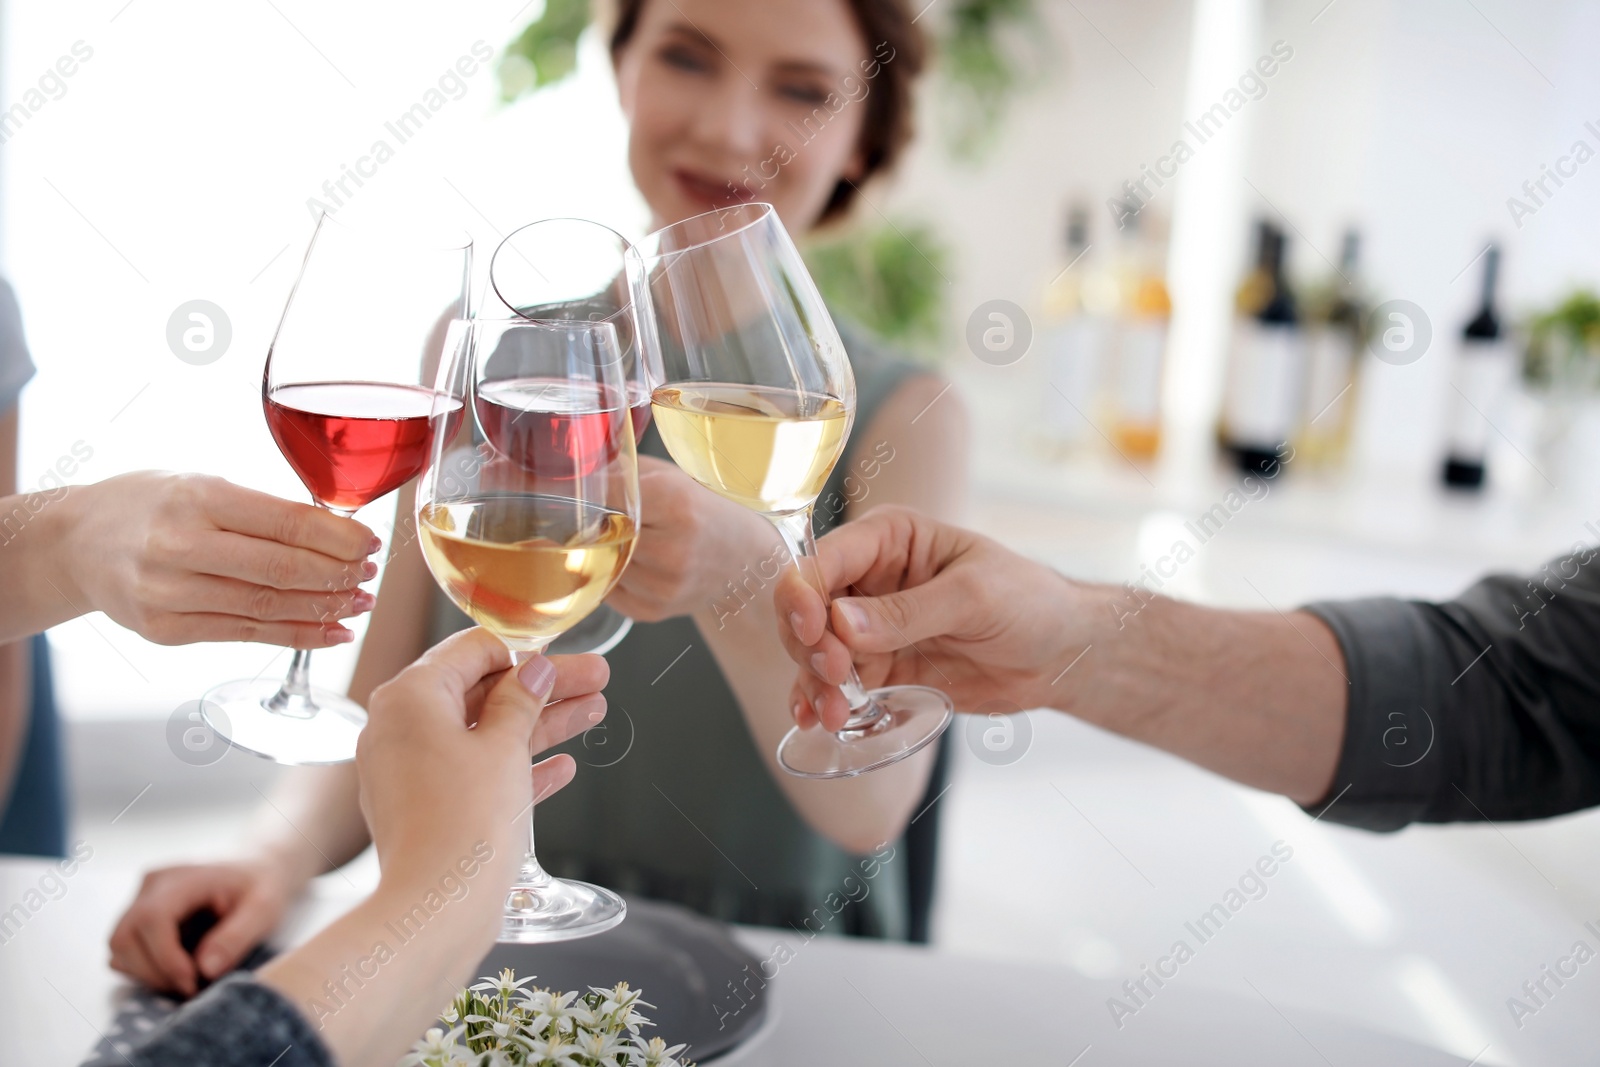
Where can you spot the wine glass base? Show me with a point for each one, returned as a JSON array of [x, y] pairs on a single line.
[[559, 910], [598, 632], [238, 712], [913, 716]]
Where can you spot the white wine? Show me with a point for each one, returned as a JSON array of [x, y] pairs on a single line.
[[767, 448], [527, 568]]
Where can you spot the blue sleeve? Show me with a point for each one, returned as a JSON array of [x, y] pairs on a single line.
[[15, 366], [236, 1023]]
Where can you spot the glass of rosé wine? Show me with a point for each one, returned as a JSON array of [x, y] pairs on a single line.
[[364, 326]]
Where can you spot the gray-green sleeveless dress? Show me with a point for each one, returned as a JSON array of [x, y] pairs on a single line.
[[672, 800]]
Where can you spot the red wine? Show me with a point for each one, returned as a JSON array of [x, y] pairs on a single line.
[[551, 427], [351, 442]]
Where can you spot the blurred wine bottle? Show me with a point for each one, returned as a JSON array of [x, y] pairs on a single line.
[[1144, 315], [1073, 338], [1263, 395], [1484, 369], [1336, 332]]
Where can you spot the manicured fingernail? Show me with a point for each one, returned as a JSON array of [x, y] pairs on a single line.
[[369, 570], [854, 614], [341, 636], [819, 663], [794, 622], [538, 676], [374, 544], [363, 601], [596, 716]]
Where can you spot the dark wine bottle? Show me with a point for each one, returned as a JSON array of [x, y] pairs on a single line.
[[1483, 369], [1262, 400]]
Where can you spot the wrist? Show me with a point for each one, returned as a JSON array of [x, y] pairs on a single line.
[[59, 561], [459, 914], [289, 863], [1123, 656]]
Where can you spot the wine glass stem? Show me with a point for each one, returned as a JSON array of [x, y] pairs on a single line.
[[802, 543], [294, 695], [531, 875]]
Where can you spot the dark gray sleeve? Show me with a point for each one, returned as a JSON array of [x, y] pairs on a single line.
[[236, 1023], [1483, 707]]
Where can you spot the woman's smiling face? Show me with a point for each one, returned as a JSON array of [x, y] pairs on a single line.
[[731, 100]]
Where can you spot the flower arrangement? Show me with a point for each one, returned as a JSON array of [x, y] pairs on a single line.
[[498, 1023]]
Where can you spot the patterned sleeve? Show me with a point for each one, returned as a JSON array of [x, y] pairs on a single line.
[[236, 1023]]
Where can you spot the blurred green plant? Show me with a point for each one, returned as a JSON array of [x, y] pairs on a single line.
[[546, 51], [1564, 344], [888, 279], [992, 51]]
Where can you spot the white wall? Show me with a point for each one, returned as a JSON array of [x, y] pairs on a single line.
[[177, 165]]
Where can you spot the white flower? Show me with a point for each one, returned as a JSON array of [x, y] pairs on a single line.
[[557, 1051], [506, 985], [515, 1026], [602, 1048], [549, 1007], [437, 1049], [655, 1053]]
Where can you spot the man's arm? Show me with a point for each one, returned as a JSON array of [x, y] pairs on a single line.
[[1257, 696], [1382, 712]]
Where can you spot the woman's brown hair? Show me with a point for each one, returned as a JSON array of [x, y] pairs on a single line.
[[895, 41]]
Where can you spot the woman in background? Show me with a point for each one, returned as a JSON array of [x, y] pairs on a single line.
[[797, 103]]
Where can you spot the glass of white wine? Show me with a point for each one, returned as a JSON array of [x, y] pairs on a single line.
[[757, 404], [527, 514], [560, 270]]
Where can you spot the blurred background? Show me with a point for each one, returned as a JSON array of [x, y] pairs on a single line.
[[1149, 241]]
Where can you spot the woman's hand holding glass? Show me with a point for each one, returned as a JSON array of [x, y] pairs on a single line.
[[691, 542], [180, 558], [414, 740], [527, 515]]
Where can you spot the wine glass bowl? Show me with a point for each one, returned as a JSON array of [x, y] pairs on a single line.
[[572, 270], [528, 521], [756, 404], [343, 397]]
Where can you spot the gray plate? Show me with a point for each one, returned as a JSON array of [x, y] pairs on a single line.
[[684, 962]]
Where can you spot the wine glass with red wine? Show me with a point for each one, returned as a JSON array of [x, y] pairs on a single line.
[[571, 270], [365, 325]]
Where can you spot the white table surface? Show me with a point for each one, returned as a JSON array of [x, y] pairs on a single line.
[[836, 1001]]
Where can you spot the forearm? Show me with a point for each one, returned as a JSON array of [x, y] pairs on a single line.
[[368, 992], [36, 586], [16, 707], [1258, 697], [311, 823]]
